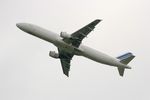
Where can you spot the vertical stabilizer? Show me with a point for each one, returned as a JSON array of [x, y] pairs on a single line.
[[125, 59]]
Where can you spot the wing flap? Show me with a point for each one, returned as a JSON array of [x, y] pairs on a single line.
[[79, 35], [65, 59], [65, 66]]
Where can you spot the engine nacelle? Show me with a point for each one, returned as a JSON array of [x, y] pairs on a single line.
[[53, 54], [65, 35]]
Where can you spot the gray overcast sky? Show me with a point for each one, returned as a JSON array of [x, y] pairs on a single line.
[[28, 73]]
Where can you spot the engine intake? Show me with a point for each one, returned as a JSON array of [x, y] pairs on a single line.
[[65, 35], [53, 54]]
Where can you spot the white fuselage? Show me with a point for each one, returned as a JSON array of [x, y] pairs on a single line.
[[81, 51]]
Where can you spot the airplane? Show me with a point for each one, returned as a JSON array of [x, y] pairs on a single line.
[[71, 44]]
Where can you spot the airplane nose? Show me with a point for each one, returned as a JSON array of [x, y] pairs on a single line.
[[19, 25], [23, 26]]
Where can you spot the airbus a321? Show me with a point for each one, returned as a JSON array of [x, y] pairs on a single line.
[[71, 44]]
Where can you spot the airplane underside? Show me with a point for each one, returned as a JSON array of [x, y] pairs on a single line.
[[71, 44]]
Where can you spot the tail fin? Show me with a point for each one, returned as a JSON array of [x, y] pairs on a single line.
[[125, 59]]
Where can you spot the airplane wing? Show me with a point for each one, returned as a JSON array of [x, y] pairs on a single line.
[[65, 59], [75, 40], [78, 36]]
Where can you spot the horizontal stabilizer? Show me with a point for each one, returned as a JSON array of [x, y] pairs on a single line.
[[125, 59], [121, 71]]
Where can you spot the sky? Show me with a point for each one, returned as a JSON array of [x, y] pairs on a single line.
[[28, 73]]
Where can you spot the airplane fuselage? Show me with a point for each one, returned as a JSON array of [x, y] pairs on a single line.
[[80, 51]]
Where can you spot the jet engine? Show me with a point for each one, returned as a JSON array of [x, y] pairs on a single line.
[[53, 54], [65, 35]]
